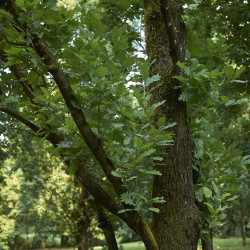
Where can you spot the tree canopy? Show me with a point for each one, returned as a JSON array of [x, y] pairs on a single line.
[[145, 103]]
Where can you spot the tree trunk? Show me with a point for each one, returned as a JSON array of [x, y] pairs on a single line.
[[106, 226], [178, 224], [64, 241], [243, 228], [15, 247], [83, 222]]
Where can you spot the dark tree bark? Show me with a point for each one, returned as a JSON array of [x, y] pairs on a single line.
[[178, 224]]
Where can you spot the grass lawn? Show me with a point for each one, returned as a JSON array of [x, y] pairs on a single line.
[[232, 243], [222, 244]]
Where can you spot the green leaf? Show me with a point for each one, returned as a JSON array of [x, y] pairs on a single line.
[[154, 209], [20, 3], [73, 167], [207, 192], [116, 174], [70, 124], [127, 198], [210, 208], [152, 79], [170, 125], [101, 71], [182, 65], [231, 102], [156, 105], [157, 158], [215, 73], [6, 15], [224, 99], [124, 210], [152, 172], [138, 142], [149, 152], [223, 216], [127, 140], [158, 200], [180, 78], [45, 91], [199, 195]]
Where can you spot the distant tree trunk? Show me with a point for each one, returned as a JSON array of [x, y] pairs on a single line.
[[64, 241], [243, 228], [83, 240], [15, 247], [83, 222], [178, 224]]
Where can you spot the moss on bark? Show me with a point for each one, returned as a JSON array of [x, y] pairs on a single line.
[[178, 224]]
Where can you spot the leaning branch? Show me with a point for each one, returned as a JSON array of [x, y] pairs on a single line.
[[20, 118], [83, 175], [100, 195]]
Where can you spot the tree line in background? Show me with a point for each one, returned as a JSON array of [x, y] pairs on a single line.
[[120, 155]]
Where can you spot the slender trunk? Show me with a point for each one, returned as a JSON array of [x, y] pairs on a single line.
[[83, 222], [83, 241], [106, 226], [15, 247], [178, 224], [64, 241], [243, 228]]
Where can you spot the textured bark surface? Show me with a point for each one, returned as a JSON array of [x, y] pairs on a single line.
[[178, 224]]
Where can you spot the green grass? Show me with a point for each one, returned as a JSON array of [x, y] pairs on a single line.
[[129, 246], [232, 243]]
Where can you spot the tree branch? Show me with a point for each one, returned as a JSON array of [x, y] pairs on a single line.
[[132, 218], [20, 118], [52, 137]]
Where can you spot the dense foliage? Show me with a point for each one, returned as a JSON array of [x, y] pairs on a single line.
[[100, 48]]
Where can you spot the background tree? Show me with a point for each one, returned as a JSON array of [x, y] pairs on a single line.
[[39, 200]]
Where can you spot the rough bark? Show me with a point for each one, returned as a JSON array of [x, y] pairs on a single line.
[[178, 224]]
